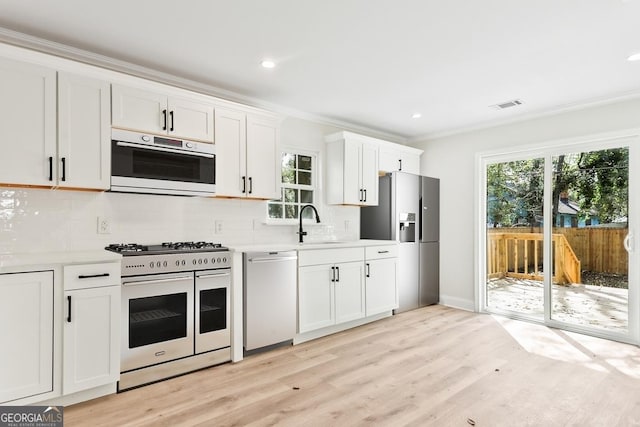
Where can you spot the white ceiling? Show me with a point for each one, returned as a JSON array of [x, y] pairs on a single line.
[[370, 63]]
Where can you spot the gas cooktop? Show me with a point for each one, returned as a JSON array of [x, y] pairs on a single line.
[[132, 249]]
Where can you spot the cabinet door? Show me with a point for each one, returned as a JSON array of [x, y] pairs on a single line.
[[410, 163], [91, 338], [26, 328], [138, 109], [390, 160], [190, 119], [28, 131], [380, 285], [231, 168], [353, 191], [84, 132], [369, 177], [315, 298], [263, 158], [349, 291]]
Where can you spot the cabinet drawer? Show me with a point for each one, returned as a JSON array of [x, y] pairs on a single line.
[[91, 275], [329, 256], [382, 251]]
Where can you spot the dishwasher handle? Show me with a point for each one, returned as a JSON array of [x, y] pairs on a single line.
[[272, 259]]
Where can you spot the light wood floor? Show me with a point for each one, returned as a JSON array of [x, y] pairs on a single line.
[[433, 366]]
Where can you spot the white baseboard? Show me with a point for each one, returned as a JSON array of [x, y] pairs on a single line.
[[455, 302]]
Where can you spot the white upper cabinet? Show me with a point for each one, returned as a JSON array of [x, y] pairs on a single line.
[[263, 157], [352, 170], [398, 158], [84, 132], [160, 114], [28, 116], [80, 157], [247, 155]]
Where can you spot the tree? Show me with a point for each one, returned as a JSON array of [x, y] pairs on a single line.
[[596, 180]]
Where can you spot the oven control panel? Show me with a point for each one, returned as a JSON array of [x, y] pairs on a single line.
[[171, 263]]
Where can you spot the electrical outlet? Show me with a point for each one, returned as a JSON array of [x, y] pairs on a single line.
[[218, 227], [104, 225]]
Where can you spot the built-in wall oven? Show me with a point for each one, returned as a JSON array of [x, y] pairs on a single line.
[[175, 308], [143, 163]]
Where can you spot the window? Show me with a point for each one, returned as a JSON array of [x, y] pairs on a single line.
[[298, 178]]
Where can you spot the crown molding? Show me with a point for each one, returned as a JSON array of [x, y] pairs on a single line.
[[567, 108], [49, 47]]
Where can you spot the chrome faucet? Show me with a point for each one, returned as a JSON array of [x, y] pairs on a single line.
[[304, 233]]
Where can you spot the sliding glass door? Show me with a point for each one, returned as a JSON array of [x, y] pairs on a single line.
[[557, 238], [514, 213], [590, 282]]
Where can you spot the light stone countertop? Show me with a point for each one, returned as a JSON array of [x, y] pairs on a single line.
[[36, 259], [329, 244]]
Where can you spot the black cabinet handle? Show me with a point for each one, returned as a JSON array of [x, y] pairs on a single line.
[[383, 252], [64, 169], [365, 195], [400, 161], [244, 184], [69, 309], [361, 195], [50, 168], [333, 274], [368, 272], [171, 114], [91, 276], [164, 119], [250, 185], [338, 275]]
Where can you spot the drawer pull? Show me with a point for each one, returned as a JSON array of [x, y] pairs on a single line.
[[92, 276], [383, 252]]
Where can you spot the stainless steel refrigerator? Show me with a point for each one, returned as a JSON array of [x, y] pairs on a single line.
[[408, 212]]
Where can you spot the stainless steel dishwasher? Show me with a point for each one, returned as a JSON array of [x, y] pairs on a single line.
[[270, 298]]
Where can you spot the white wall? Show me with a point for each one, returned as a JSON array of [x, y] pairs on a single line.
[[452, 159], [35, 220]]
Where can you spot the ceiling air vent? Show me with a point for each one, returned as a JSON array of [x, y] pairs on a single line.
[[507, 104]]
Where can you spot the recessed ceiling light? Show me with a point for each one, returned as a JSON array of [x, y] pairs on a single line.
[[634, 57], [416, 116], [267, 63]]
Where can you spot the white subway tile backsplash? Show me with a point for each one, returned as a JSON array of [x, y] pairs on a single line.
[[36, 220]]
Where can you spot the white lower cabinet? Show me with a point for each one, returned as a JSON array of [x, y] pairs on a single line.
[[349, 291], [26, 331], [91, 343], [381, 270], [331, 292]]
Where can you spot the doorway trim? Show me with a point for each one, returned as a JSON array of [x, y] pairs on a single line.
[[547, 150]]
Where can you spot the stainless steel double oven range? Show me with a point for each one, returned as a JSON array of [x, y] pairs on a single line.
[[175, 309]]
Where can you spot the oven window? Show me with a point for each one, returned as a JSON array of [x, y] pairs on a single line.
[[157, 319], [146, 163], [213, 310]]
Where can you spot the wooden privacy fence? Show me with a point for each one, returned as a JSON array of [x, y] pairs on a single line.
[[519, 255], [599, 249]]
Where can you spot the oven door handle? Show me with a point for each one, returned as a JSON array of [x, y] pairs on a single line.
[[154, 281], [166, 150], [209, 276]]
